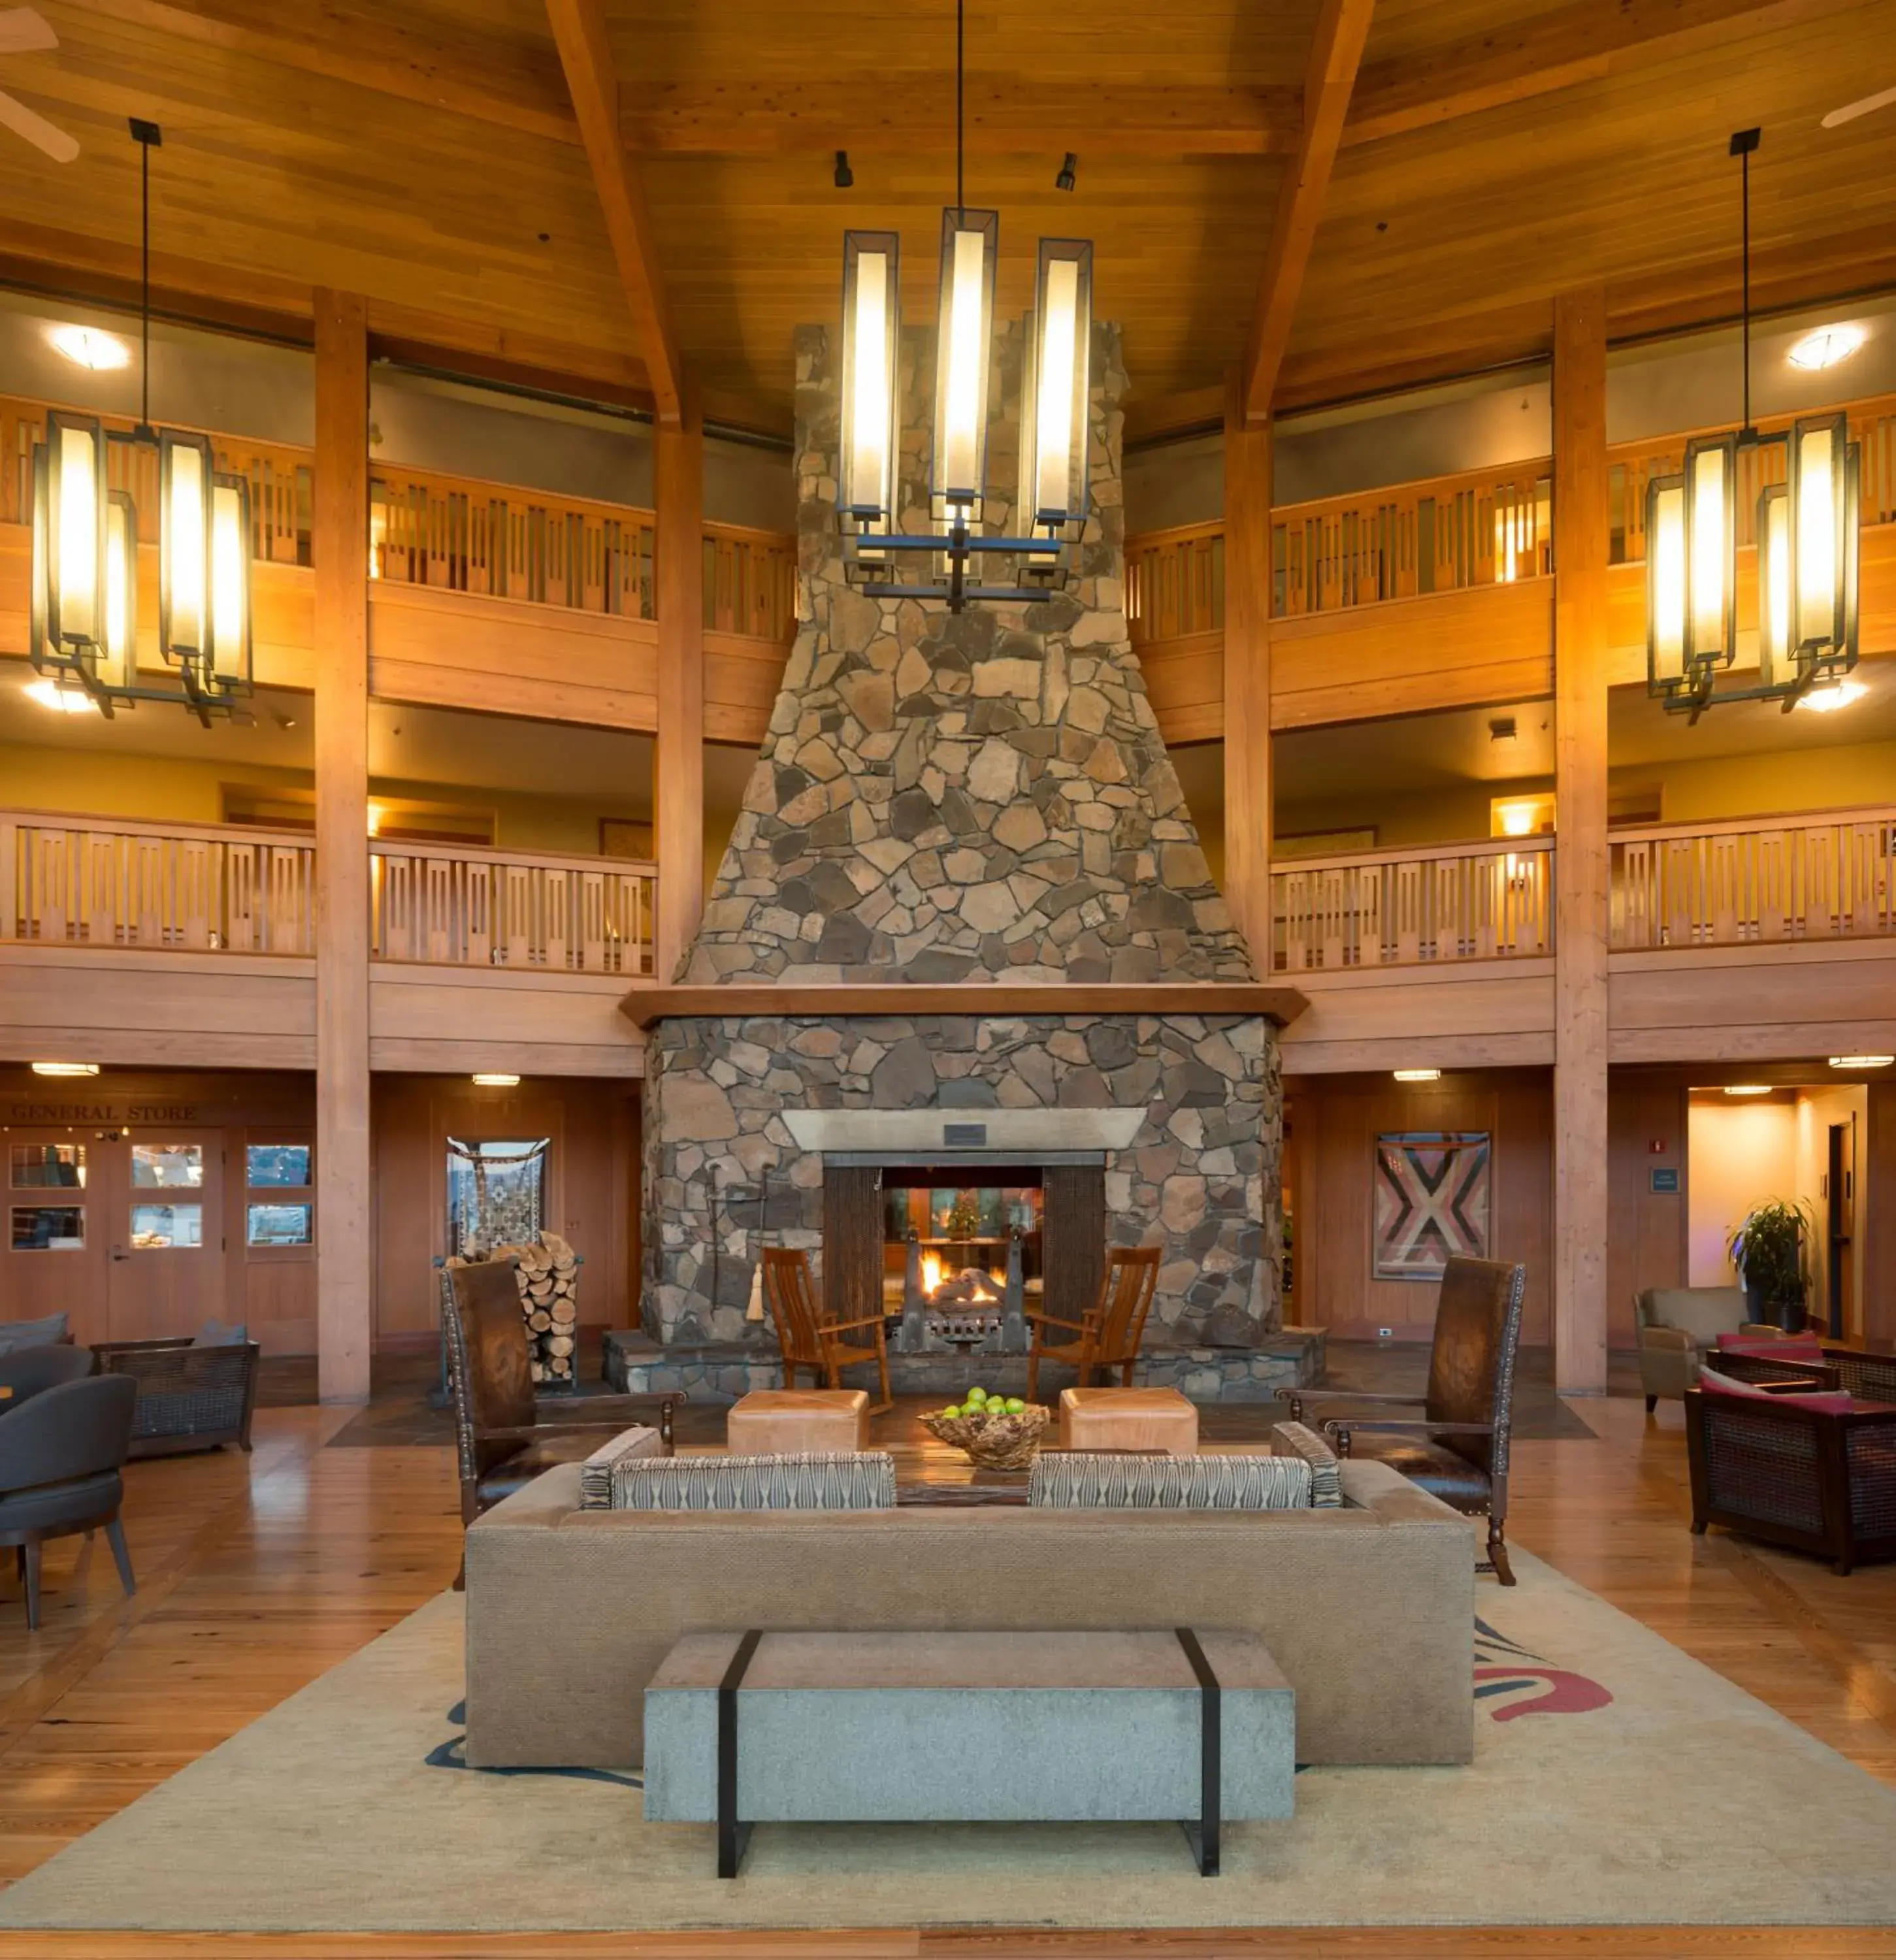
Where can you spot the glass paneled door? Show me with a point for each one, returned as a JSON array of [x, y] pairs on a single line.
[[163, 1218], [55, 1253]]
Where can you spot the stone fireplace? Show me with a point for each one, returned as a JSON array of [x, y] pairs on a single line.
[[964, 925]]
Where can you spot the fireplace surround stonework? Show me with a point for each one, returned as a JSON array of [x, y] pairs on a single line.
[[973, 803]]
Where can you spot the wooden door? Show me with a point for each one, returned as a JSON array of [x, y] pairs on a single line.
[[165, 1227], [1073, 1239], [56, 1228]]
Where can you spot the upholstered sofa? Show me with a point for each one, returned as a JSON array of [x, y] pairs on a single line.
[[1368, 1608], [1676, 1325]]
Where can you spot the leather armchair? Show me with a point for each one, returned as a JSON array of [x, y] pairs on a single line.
[[503, 1438], [1676, 1327], [1458, 1449], [29, 1371], [61, 1452]]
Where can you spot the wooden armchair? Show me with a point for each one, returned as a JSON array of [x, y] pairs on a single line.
[[1457, 1448], [1108, 1337], [806, 1339], [504, 1438]]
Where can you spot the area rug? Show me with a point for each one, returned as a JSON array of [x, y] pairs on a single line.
[[1616, 1781]]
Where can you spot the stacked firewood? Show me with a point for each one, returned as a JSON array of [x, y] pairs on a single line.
[[548, 1273]]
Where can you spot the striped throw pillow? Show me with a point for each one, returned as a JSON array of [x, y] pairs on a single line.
[[1297, 1439], [595, 1473], [864, 1481], [1075, 1480]]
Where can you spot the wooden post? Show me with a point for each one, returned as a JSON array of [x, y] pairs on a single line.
[[1582, 512], [1876, 1207], [678, 787], [1247, 678], [340, 550]]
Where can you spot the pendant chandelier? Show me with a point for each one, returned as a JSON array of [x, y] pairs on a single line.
[[1050, 514], [1807, 539], [84, 627]]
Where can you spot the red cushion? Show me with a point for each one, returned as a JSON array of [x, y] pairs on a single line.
[[1835, 1401], [1792, 1347]]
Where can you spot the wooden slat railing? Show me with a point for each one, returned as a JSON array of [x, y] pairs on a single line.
[[1482, 901], [1632, 465], [1175, 583], [107, 881], [460, 905], [281, 495], [750, 583], [1484, 527], [1830, 875]]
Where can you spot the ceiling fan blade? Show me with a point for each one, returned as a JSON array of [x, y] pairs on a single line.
[[25, 31], [1851, 110], [41, 134]]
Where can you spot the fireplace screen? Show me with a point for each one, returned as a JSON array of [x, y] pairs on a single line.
[[962, 1257]]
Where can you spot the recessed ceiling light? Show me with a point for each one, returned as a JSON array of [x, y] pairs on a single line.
[[61, 700], [1826, 346], [87, 346], [1828, 700], [1862, 1060], [1748, 1088], [496, 1081], [1418, 1075], [65, 1068]]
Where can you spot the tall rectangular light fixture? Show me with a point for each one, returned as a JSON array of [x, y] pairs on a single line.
[[69, 525], [1776, 655], [866, 488], [117, 663], [185, 528], [1056, 388], [1711, 552], [1819, 467], [226, 669], [964, 319], [1666, 672]]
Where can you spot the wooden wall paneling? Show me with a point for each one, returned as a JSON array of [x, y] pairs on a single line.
[[1646, 1241], [272, 1288], [678, 763], [1877, 1210], [1790, 1002], [1490, 1014], [465, 1018], [1582, 515], [1247, 678], [340, 550], [742, 677], [1185, 681]]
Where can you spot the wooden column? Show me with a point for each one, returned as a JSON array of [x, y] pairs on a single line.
[[1876, 1213], [1581, 519], [679, 786], [1247, 678], [340, 549]]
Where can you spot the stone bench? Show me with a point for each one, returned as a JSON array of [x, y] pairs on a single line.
[[744, 1728]]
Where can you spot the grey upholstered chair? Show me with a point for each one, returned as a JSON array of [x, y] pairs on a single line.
[[27, 1371], [1676, 1325], [1457, 1448], [60, 1455]]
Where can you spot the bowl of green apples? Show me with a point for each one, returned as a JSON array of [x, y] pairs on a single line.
[[998, 1432]]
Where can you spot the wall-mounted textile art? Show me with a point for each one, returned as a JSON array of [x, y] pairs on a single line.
[[1432, 1200]]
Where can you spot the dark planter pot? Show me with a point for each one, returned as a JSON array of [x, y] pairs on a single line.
[[1787, 1314]]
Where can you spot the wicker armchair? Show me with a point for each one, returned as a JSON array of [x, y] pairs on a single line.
[[1814, 1479], [189, 1397]]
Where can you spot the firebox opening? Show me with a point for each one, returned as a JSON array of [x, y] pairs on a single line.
[[956, 1244]]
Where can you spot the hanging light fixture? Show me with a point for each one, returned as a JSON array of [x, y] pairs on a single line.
[[1807, 539], [85, 586], [1055, 403]]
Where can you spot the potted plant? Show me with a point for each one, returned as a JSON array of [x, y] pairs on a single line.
[[1769, 1250]]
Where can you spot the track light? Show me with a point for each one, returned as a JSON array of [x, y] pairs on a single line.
[[845, 176], [1064, 180]]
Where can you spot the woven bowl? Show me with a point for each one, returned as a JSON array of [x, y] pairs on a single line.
[[993, 1442]]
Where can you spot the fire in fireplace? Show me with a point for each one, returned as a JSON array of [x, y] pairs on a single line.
[[962, 1260]]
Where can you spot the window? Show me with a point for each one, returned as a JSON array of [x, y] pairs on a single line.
[[166, 1227], [279, 1225], [273, 1165], [168, 1166], [41, 1165], [47, 1228]]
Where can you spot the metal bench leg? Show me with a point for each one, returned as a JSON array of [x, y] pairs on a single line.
[[1203, 1836], [733, 1837]]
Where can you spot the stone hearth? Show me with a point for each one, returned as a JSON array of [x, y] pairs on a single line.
[[956, 805]]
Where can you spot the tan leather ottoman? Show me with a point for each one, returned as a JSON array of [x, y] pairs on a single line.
[[1128, 1419], [790, 1422]]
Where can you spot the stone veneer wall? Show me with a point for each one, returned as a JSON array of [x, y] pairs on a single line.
[[1202, 1168]]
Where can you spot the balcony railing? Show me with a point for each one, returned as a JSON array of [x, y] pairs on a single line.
[[1752, 882], [459, 906], [1633, 465], [106, 882], [1433, 907], [1175, 583]]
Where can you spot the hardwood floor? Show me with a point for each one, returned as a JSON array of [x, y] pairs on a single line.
[[257, 1574]]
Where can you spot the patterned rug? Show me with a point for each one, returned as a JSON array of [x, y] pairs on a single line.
[[1616, 1781]]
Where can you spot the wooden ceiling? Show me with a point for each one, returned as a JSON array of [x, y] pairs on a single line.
[[426, 153]]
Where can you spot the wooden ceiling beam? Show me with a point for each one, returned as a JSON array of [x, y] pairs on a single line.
[[367, 48], [1584, 41], [585, 53], [1336, 51]]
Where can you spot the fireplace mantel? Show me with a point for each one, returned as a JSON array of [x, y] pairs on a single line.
[[645, 1006]]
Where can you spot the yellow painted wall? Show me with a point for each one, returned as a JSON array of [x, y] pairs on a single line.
[[1741, 1151], [1786, 780]]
